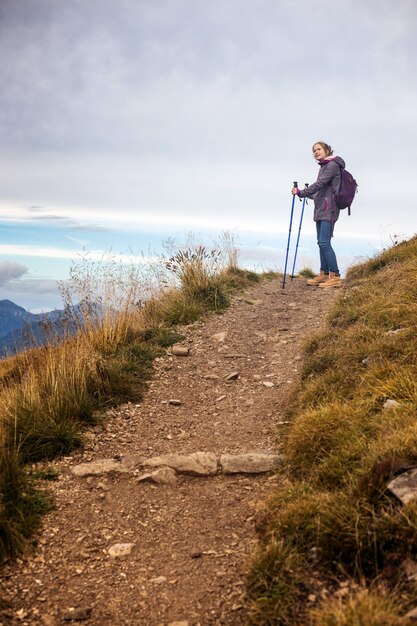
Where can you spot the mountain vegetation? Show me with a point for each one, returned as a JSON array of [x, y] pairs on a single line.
[[50, 394], [337, 548]]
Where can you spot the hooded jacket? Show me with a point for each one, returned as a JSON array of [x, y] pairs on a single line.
[[324, 189]]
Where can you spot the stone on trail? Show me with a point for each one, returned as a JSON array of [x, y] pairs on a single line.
[[220, 337], [232, 376], [174, 402], [96, 468], [268, 383], [161, 476], [249, 463], [195, 464], [180, 350], [158, 580], [78, 615], [133, 460], [404, 486], [121, 549]]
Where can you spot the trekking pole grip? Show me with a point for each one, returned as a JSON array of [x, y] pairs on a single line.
[[295, 184]]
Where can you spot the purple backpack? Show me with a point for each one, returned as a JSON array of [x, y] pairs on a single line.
[[347, 190]]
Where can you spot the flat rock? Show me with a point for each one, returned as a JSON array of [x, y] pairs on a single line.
[[161, 476], [195, 464], [178, 350], [121, 549], [131, 461], [220, 337], [232, 376], [158, 580], [249, 463], [404, 486], [96, 468]]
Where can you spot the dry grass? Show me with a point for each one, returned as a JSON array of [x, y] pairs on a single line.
[[118, 319], [343, 447], [361, 607]]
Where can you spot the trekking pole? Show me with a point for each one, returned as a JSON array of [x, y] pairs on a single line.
[[298, 237], [289, 236]]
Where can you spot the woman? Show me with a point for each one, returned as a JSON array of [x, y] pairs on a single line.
[[326, 211]]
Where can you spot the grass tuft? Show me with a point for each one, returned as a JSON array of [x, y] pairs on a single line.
[[360, 607]]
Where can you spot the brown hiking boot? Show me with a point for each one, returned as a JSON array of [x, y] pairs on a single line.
[[333, 281], [321, 278]]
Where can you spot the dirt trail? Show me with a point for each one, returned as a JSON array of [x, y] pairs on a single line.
[[190, 542]]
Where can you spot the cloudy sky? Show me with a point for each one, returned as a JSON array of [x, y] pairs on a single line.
[[123, 122]]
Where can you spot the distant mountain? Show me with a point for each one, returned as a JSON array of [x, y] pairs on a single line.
[[12, 317], [20, 329]]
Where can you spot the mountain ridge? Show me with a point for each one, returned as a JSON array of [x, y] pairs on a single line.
[[20, 329]]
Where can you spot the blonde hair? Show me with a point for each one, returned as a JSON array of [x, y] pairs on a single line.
[[328, 149]]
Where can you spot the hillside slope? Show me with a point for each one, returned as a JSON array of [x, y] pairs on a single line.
[[339, 537], [189, 543]]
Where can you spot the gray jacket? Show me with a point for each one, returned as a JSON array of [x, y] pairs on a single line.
[[324, 189]]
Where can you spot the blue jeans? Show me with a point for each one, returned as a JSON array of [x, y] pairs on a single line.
[[328, 262]]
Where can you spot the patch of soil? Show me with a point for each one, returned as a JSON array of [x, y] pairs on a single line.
[[190, 543]]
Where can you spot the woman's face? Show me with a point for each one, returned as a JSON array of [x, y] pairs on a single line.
[[319, 153]]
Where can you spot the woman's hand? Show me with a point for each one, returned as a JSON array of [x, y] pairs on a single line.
[[295, 191]]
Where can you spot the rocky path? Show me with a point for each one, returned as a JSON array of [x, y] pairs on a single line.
[[173, 549]]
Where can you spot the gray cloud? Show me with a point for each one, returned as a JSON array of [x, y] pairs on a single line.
[[66, 222], [33, 286], [184, 108], [9, 271], [33, 294], [202, 79]]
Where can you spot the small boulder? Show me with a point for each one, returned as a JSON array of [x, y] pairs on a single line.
[[404, 486], [161, 476], [121, 549]]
